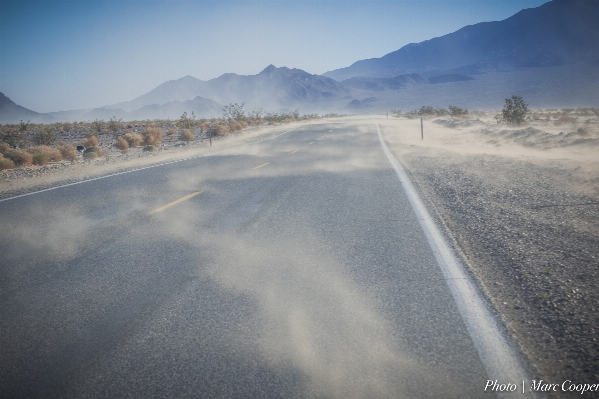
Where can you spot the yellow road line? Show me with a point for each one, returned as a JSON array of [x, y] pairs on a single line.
[[162, 208], [311, 142], [259, 166], [293, 152]]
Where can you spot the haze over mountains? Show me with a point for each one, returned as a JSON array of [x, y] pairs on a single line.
[[549, 55]]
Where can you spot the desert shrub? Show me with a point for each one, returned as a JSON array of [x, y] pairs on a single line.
[[204, 126], [4, 147], [220, 130], [235, 127], [47, 136], [153, 136], [90, 141], [114, 126], [457, 112], [6, 163], [133, 139], [582, 131], [171, 131], [90, 155], [95, 149], [15, 138], [19, 157], [68, 151], [244, 124], [122, 144], [150, 148], [40, 158], [514, 111], [186, 135], [52, 153]]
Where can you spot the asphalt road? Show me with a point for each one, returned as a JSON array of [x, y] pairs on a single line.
[[290, 268]]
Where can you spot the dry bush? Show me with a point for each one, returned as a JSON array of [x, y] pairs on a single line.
[[6, 163], [221, 130], [235, 127], [90, 155], [96, 150], [133, 139], [186, 135], [244, 124], [4, 147], [90, 141], [40, 158], [203, 126], [122, 145], [19, 157], [150, 148], [153, 136], [68, 151], [171, 131]]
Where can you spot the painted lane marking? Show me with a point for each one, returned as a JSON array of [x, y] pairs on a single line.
[[293, 152], [170, 204], [496, 352], [260, 166]]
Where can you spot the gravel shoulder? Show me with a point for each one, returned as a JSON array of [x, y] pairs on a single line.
[[523, 206]]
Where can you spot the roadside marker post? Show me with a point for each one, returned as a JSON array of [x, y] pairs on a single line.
[[210, 129], [421, 129]]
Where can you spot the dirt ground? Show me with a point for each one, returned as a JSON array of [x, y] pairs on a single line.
[[522, 204]]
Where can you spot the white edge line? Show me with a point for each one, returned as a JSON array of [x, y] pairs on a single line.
[[496, 352], [145, 167]]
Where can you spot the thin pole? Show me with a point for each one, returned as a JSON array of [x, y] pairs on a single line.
[[210, 128], [421, 129]]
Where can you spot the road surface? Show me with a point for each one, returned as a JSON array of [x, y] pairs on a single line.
[[294, 267]]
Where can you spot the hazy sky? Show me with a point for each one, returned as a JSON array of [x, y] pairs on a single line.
[[68, 54]]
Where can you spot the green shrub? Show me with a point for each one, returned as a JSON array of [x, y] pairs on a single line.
[[90, 156], [514, 111], [6, 163], [96, 150], [457, 112], [47, 136]]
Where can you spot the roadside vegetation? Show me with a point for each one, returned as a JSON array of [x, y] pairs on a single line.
[[26, 144]]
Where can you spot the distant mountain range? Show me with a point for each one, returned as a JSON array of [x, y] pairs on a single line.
[[556, 33], [548, 54]]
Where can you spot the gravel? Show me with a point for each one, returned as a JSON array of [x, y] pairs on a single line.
[[532, 239]]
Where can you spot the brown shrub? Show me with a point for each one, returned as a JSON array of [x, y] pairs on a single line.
[[171, 131], [235, 127], [4, 147], [150, 148], [6, 163], [40, 158], [203, 126], [53, 153], [186, 135], [19, 157], [133, 139], [68, 151], [244, 124], [153, 136], [90, 141], [221, 130], [122, 145]]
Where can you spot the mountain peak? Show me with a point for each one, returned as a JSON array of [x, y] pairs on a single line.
[[268, 69]]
